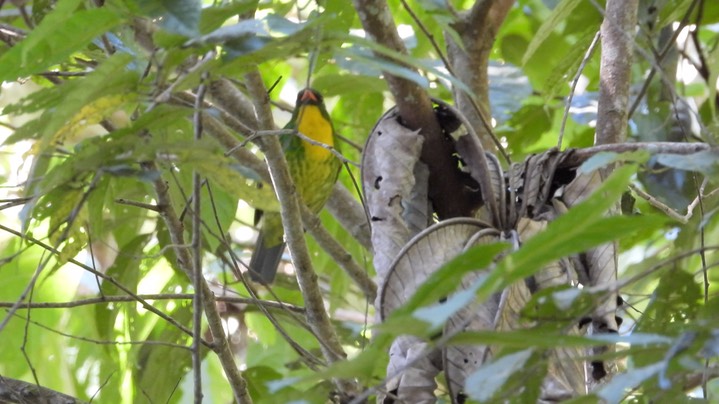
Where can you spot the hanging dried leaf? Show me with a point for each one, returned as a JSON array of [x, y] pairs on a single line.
[[412, 369], [460, 360], [600, 270], [395, 187], [423, 255], [515, 206]]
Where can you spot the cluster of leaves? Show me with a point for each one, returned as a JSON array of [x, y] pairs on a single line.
[[103, 103]]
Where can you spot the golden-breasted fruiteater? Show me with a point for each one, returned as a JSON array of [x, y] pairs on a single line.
[[314, 170]]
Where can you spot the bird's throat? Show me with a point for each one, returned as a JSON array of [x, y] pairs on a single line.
[[314, 125]]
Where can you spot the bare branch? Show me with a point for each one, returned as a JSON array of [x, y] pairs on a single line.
[[587, 55], [197, 277], [477, 29], [18, 391], [351, 215], [617, 30], [164, 296], [578, 156]]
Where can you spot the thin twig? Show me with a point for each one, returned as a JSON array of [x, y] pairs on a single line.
[[145, 305], [184, 259], [197, 278], [579, 156], [661, 206], [658, 58], [142, 205], [164, 296], [70, 221], [295, 132], [233, 262], [166, 94], [587, 55], [100, 342]]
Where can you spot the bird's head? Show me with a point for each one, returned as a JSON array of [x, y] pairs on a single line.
[[309, 96]]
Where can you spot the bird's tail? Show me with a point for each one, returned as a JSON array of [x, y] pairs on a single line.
[[265, 260]]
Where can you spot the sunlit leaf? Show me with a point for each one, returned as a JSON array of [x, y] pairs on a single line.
[[56, 38], [558, 14]]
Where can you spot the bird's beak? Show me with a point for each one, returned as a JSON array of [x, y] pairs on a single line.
[[309, 96]]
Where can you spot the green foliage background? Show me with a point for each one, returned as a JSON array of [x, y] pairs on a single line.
[[85, 110]]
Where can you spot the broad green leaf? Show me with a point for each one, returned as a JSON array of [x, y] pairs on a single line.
[[559, 14], [617, 388], [438, 286], [159, 368], [126, 271], [487, 381], [55, 39], [227, 174], [113, 77], [713, 62], [214, 17], [343, 84], [705, 162], [177, 16], [565, 70]]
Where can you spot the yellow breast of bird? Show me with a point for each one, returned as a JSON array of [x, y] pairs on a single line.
[[315, 126]]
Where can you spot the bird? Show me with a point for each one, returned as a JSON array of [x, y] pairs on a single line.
[[314, 170]]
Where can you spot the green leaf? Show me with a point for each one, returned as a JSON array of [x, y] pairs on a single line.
[[487, 381], [559, 14], [125, 270], [227, 174], [159, 368], [705, 162], [217, 211], [713, 65], [55, 39], [177, 16], [344, 84], [213, 17], [565, 70], [616, 389], [64, 102]]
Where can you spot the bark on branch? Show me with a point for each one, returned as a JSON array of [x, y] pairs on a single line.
[[18, 391], [620, 19]]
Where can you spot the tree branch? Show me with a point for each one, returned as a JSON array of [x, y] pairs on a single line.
[[579, 156], [197, 276], [351, 215], [184, 259], [477, 28], [18, 391], [165, 296], [615, 70]]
